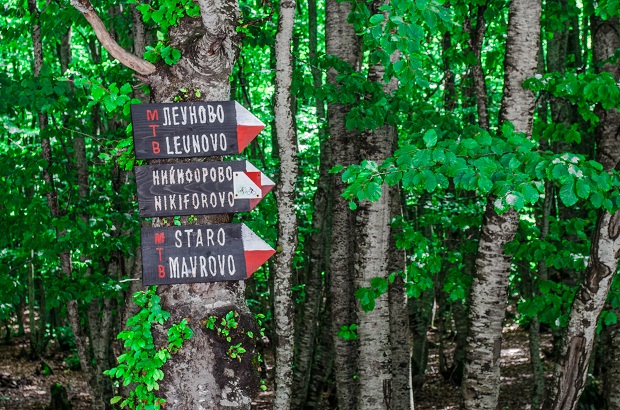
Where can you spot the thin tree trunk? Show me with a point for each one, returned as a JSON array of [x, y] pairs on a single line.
[[476, 38], [400, 331], [318, 256], [612, 373], [373, 241], [37, 330], [537, 366], [307, 321], [572, 367], [490, 282], [341, 41], [285, 197]]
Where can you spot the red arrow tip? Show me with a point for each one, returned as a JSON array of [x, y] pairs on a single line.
[[254, 259], [246, 133]]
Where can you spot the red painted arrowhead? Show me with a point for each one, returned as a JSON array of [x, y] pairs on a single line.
[[254, 259], [255, 250], [246, 133], [260, 179], [248, 126]]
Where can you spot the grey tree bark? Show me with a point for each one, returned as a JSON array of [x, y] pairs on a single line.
[[400, 331], [373, 242], [476, 39], [307, 322], [199, 376], [489, 287], [341, 41], [287, 220], [571, 369]]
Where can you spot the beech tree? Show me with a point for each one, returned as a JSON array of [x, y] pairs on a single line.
[[208, 43], [490, 281]]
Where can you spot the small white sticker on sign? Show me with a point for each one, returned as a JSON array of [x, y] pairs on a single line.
[[245, 188]]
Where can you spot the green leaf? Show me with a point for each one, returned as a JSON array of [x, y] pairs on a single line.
[[610, 318], [380, 284], [530, 193], [567, 193], [430, 183], [376, 19], [115, 399], [485, 184], [430, 138], [597, 199], [583, 189], [409, 178], [336, 169]]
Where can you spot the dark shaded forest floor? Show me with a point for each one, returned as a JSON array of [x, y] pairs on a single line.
[[25, 384], [516, 376]]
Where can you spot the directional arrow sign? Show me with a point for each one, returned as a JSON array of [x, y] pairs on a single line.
[[192, 129], [200, 188], [201, 253]]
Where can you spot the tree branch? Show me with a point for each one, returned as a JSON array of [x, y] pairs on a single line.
[[137, 64]]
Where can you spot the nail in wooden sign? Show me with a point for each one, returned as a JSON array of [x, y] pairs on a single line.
[[192, 129], [201, 253], [200, 188]]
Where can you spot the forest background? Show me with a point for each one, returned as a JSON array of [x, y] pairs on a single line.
[[436, 164]]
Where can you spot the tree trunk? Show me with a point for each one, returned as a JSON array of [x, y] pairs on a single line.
[[611, 387], [490, 282], [572, 367], [400, 331], [341, 41], [373, 241], [476, 38], [287, 220], [307, 322], [200, 375]]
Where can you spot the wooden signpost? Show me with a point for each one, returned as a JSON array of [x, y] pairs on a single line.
[[197, 253], [192, 129], [200, 188], [201, 253]]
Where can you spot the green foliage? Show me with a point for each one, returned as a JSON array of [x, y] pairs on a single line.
[[165, 14], [348, 332], [141, 363], [227, 328], [583, 89], [378, 286], [510, 167]]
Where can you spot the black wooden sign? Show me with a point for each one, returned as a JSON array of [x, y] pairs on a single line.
[[192, 129], [201, 253], [200, 188]]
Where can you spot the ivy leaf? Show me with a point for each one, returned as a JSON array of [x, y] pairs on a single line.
[[567, 193]]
